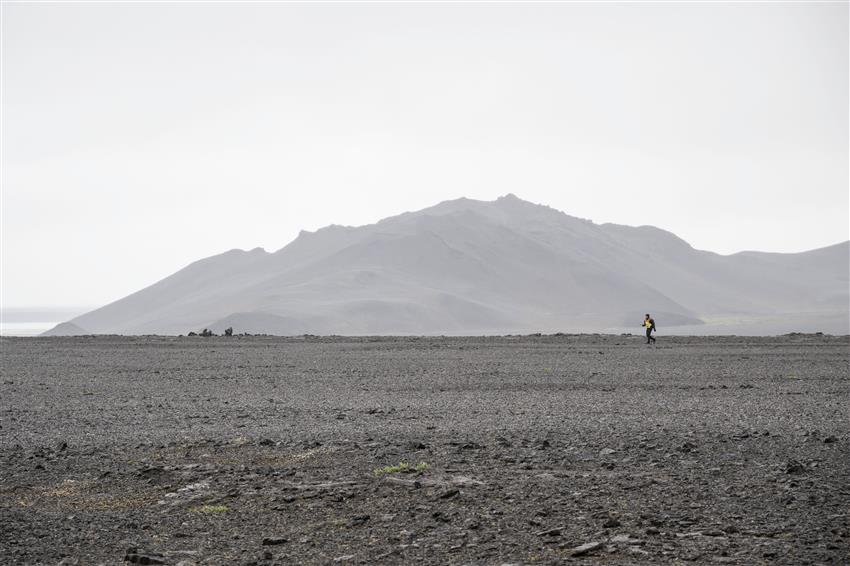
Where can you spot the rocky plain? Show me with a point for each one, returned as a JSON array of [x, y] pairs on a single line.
[[564, 449]]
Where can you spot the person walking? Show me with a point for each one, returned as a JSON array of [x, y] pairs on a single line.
[[649, 324]]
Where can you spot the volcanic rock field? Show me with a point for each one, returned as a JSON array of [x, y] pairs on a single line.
[[581, 449]]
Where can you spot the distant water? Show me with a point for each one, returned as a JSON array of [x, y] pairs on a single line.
[[33, 321]]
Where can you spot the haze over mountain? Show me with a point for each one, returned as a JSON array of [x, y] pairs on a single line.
[[473, 267]]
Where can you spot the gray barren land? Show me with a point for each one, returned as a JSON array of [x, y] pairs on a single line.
[[526, 450]]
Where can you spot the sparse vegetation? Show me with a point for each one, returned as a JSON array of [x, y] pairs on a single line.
[[402, 467]]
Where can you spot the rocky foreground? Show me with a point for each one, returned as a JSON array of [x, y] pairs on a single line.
[[523, 450]]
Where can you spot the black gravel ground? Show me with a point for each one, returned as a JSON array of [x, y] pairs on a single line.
[[524, 450]]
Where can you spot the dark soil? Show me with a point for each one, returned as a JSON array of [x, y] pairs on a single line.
[[549, 450]]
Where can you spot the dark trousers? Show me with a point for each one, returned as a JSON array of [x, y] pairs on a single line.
[[649, 337]]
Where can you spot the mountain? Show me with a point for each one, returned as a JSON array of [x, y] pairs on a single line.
[[476, 267]]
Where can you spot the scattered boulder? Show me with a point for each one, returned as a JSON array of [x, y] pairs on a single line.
[[448, 494], [358, 520], [626, 539], [586, 548], [136, 556]]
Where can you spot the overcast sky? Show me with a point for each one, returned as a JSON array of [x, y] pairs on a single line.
[[138, 138]]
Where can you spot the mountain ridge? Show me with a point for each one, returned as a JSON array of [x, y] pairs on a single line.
[[469, 266]]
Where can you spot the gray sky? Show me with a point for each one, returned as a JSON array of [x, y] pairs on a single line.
[[140, 137]]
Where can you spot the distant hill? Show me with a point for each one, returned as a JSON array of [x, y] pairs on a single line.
[[66, 329], [475, 267]]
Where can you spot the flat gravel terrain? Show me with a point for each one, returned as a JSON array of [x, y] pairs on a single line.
[[521, 450]]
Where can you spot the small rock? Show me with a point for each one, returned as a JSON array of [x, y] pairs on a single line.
[[626, 539], [134, 556], [794, 467], [606, 451], [274, 541], [830, 439], [449, 494], [551, 532], [652, 531], [344, 558], [586, 548], [611, 523]]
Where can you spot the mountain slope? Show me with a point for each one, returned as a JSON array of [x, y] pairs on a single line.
[[468, 266]]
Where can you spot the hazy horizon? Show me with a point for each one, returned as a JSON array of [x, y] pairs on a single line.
[[138, 138]]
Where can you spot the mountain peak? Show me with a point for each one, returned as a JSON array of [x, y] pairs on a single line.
[[473, 266]]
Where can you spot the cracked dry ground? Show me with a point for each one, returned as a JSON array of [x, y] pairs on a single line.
[[524, 450]]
